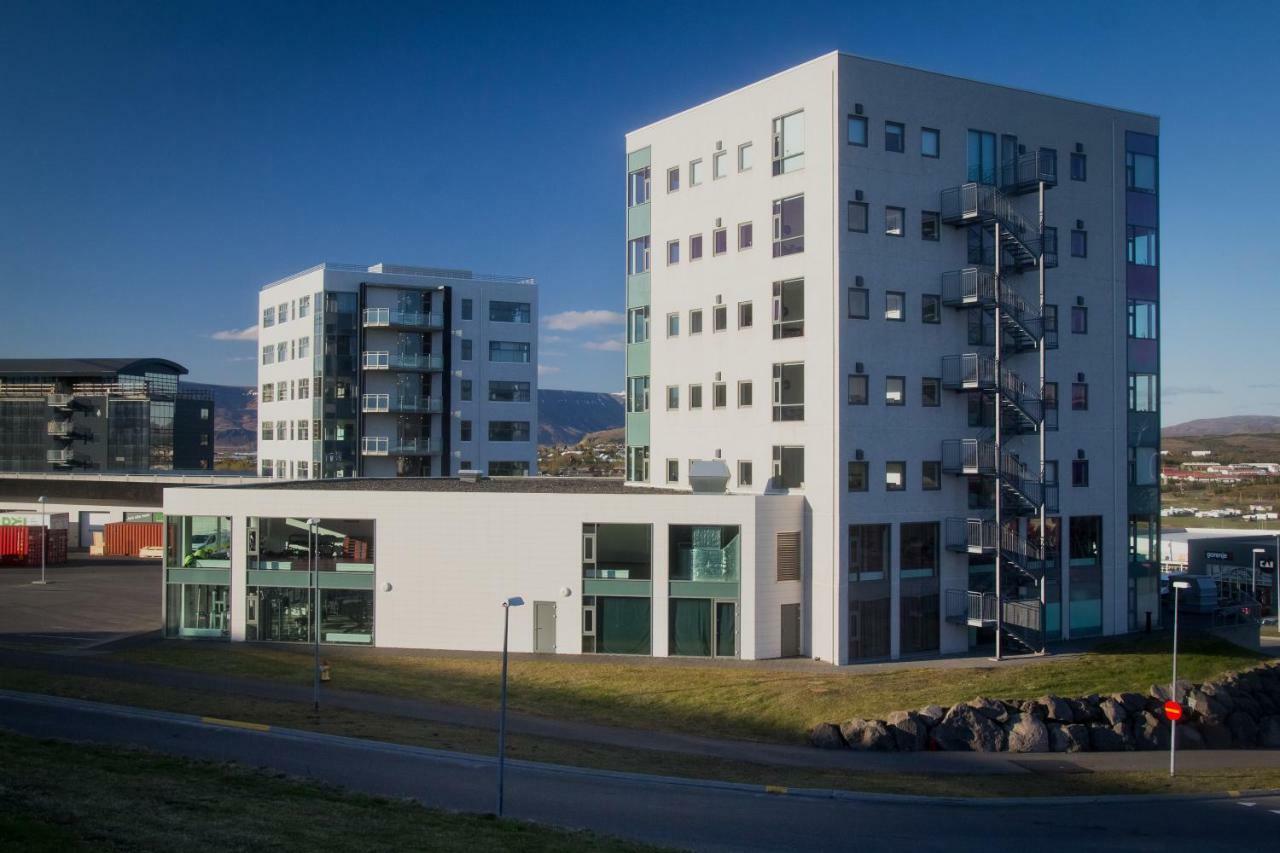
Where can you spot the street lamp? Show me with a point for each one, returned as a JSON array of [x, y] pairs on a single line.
[[312, 523], [1173, 685], [514, 601], [44, 539], [1256, 553]]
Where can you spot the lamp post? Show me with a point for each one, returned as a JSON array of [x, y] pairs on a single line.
[[44, 539], [312, 523], [1173, 685], [514, 601]]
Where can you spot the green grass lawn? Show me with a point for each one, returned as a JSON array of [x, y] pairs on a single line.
[[754, 703], [63, 797]]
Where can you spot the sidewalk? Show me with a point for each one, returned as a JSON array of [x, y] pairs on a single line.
[[737, 750]]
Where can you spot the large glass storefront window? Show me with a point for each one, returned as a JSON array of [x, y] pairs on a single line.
[[869, 593], [617, 573], [198, 541], [197, 610], [918, 596], [286, 544], [197, 566], [705, 553], [1085, 557]]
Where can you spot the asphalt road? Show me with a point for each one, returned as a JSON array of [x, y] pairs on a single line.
[[89, 600], [702, 816]]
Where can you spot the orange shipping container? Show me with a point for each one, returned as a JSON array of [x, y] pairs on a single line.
[[126, 538]]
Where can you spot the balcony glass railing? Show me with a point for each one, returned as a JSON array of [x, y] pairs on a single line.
[[375, 445], [405, 361], [376, 403], [393, 318]]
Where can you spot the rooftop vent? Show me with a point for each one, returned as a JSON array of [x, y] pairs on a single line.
[[708, 476], [470, 475]]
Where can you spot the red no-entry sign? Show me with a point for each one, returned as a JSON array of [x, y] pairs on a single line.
[[1173, 710]]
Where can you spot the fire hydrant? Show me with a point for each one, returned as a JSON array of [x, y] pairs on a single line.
[[324, 671]]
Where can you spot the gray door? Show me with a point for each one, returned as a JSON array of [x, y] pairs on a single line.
[[544, 626], [791, 630]]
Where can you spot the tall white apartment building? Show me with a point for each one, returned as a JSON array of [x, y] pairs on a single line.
[[387, 371], [929, 306]]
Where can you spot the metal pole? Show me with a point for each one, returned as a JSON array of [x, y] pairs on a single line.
[[1275, 589], [1173, 686], [1044, 422], [44, 539], [1255, 574], [999, 449], [315, 615], [502, 714]]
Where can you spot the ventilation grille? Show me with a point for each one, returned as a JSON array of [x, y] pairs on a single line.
[[789, 556]]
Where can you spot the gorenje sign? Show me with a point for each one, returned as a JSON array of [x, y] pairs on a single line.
[[1217, 555]]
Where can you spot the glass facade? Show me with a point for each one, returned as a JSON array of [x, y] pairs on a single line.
[[617, 572], [197, 561], [336, 332]]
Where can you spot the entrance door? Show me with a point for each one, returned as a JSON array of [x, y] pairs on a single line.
[[791, 630], [544, 627]]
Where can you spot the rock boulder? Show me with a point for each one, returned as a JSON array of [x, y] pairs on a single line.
[[868, 735], [1027, 733]]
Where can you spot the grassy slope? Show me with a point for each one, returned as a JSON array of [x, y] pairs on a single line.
[[737, 702], [59, 797]]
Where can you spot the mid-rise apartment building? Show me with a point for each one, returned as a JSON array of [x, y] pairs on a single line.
[[386, 371], [930, 307]]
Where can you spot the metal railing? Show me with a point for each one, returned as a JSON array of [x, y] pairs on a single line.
[[388, 317], [371, 445], [61, 401], [971, 535], [1025, 172], [68, 429], [375, 403], [976, 286], [971, 607], [983, 203], [415, 445], [62, 457], [398, 361]]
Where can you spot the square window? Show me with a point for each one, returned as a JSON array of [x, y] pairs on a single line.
[[719, 318], [745, 318], [1079, 472], [1079, 320], [895, 221], [673, 470], [895, 306], [745, 236], [930, 142], [673, 325], [930, 392], [695, 172], [1140, 172], [931, 308], [744, 394], [788, 226], [1079, 244], [856, 131], [673, 252], [895, 391], [695, 396], [744, 157], [695, 247], [719, 241], [895, 137], [719, 395], [673, 397], [719, 165], [1079, 396], [895, 476], [858, 216], [931, 475], [857, 389], [859, 303], [744, 472], [673, 179], [1079, 167], [858, 476], [695, 321], [930, 225]]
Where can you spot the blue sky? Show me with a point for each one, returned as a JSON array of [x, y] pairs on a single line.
[[159, 162]]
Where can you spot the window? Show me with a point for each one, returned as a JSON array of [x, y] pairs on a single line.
[[788, 226], [695, 321], [268, 392], [673, 179], [673, 252], [304, 307], [1079, 167], [856, 131], [508, 430], [267, 467], [268, 355], [515, 352], [517, 468], [467, 349], [638, 325], [673, 325], [695, 172], [467, 310], [930, 225], [868, 552], [1079, 396], [1140, 172], [282, 430], [745, 318], [930, 392], [895, 391], [695, 247], [1143, 394], [858, 476], [1079, 320], [1141, 246], [268, 317], [895, 476], [464, 390], [895, 137], [931, 475], [673, 397], [510, 312], [744, 472], [282, 390], [719, 241], [507, 391], [788, 309], [858, 389], [858, 216], [304, 389], [859, 303], [304, 469], [695, 396], [638, 256], [930, 142], [895, 306], [293, 350], [637, 393], [464, 430], [918, 550], [788, 466], [744, 393], [1050, 393], [719, 395], [638, 187], [304, 347], [745, 236], [788, 391], [719, 165], [268, 430], [719, 318], [981, 154], [1079, 472], [895, 221], [1142, 319], [1079, 243], [282, 313], [745, 153], [788, 143], [282, 352], [931, 308], [673, 470]]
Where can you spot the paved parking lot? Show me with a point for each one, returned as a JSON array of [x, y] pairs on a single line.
[[90, 600]]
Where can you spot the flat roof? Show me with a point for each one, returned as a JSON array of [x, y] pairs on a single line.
[[86, 366], [406, 270], [517, 485]]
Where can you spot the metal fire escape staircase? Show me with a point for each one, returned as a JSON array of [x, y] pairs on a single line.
[[1021, 327]]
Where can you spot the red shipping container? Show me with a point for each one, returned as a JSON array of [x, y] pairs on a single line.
[[20, 546], [127, 538], [13, 544]]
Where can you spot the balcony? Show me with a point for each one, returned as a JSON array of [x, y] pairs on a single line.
[[1026, 172], [390, 318], [1021, 406], [1024, 491], [407, 445], [65, 458], [981, 204], [403, 362], [65, 402], [397, 404], [69, 430], [975, 287]]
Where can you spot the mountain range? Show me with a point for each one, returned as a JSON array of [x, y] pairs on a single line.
[[1232, 425]]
